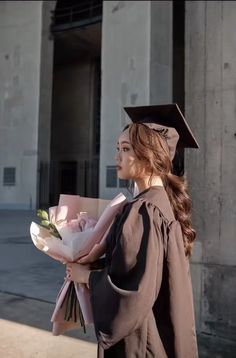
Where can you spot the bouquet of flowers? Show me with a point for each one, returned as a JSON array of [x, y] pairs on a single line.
[[73, 229]]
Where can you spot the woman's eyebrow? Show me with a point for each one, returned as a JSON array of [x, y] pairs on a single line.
[[123, 141]]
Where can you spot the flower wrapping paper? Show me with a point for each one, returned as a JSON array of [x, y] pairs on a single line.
[[83, 224]]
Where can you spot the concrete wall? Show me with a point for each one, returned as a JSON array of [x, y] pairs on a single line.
[[210, 110], [136, 68], [20, 45]]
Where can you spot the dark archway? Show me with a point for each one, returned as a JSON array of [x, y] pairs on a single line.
[[75, 124]]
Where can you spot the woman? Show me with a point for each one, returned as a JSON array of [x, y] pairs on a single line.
[[142, 300]]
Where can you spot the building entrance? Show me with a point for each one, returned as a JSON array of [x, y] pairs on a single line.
[[75, 123]]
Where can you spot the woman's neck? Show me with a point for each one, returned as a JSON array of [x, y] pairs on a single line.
[[145, 183]]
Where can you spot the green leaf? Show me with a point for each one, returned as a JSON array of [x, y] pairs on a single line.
[[45, 223], [42, 214]]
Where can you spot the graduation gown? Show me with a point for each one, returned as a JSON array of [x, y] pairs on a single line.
[[142, 300]]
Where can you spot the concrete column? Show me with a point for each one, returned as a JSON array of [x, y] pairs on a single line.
[[45, 103], [136, 68], [20, 46], [210, 110], [161, 52]]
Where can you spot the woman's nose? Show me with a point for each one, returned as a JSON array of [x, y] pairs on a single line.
[[117, 157]]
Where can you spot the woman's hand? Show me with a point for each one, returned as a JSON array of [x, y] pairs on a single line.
[[78, 273]]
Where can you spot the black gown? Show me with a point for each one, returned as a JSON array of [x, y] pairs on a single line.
[[142, 300]]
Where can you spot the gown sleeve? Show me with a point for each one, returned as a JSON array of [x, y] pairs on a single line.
[[123, 294]]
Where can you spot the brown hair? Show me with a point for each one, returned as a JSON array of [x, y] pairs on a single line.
[[151, 148]]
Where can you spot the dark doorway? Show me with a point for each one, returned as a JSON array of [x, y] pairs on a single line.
[[75, 124], [68, 177]]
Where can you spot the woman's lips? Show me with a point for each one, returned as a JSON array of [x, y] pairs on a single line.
[[118, 167]]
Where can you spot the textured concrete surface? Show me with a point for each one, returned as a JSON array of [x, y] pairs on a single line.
[[22, 341], [136, 68], [125, 65], [26, 332], [20, 29], [210, 84], [24, 270]]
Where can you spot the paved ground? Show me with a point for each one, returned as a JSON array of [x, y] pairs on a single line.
[[29, 283], [24, 269]]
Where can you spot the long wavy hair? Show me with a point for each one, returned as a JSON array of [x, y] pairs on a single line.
[[151, 148]]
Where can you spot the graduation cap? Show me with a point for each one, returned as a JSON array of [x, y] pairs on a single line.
[[167, 120]]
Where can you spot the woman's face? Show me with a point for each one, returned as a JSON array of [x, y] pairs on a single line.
[[128, 165]]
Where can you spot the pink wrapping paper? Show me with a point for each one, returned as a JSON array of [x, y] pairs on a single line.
[[60, 325], [75, 245]]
